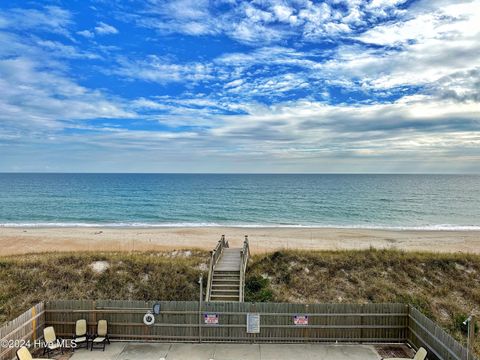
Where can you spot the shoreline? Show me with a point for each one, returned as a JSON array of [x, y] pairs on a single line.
[[142, 226], [22, 240]]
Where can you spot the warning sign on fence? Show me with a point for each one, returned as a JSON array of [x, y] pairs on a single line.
[[253, 323], [300, 319], [211, 319]]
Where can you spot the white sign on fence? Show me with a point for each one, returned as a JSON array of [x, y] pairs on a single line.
[[253, 323], [300, 319], [211, 319]]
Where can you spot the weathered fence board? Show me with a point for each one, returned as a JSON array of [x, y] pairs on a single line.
[[25, 329]]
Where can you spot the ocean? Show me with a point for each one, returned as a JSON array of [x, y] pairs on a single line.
[[443, 202]]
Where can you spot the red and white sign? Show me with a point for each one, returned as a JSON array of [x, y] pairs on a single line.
[[211, 319], [300, 319]]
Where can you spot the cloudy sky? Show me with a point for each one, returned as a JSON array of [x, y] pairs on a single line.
[[240, 86]]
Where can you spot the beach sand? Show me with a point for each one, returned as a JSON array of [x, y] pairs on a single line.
[[33, 240]]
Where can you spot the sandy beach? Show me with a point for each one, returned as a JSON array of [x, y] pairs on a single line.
[[33, 240]]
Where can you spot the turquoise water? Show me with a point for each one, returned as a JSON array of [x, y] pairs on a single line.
[[366, 201]]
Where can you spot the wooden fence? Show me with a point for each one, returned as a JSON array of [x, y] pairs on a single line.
[[25, 329], [184, 321], [440, 345]]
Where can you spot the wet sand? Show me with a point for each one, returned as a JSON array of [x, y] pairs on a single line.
[[33, 240]]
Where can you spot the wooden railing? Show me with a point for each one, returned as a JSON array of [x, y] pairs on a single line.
[[244, 256], [214, 256]]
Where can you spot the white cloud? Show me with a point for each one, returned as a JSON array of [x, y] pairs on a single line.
[[86, 33], [270, 86], [50, 19], [283, 13], [37, 94], [101, 29], [105, 29], [446, 43], [271, 55], [262, 22], [234, 84], [58, 49], [190, 17], [413, 125], [156, 69], [38, 99]]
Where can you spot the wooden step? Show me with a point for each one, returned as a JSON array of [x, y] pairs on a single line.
[[223, 285], [216, 292], [223, 280], [225, 298], [226, 288], [226, 283]]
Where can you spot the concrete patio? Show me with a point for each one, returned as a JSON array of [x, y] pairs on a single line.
[[182, 351]]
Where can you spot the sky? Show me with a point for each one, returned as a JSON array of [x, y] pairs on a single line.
[[267, 86]]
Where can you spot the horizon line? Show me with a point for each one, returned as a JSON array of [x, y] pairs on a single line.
[[233, 173]]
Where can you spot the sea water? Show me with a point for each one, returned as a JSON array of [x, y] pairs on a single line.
[[440, 202]]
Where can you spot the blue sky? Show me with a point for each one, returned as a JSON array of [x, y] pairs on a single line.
[[240, 86]]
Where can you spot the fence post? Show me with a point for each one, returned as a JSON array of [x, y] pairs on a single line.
[[409, 329], [94, 315], [34, 324], [200, 281], [471, 335]]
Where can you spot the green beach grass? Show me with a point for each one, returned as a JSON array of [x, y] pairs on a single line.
[[446, 287]]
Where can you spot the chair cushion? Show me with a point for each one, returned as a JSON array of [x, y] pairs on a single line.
[[24, 354], [102, 327], [421, 354], [80, 339], [81, 327], [49, 334], [53, 346], [99, 339]]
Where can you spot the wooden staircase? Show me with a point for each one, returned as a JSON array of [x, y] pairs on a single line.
[[227, 272]]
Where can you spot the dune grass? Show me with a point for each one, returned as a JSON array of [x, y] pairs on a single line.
[[29, 279], [446, 287]]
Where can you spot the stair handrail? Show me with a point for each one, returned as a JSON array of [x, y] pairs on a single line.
[[214, 256], [244, 256]]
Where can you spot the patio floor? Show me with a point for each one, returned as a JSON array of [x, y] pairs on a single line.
[[182, 351]]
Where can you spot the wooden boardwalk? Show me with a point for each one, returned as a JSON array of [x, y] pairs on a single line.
[[227, 272], [230, 260]]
